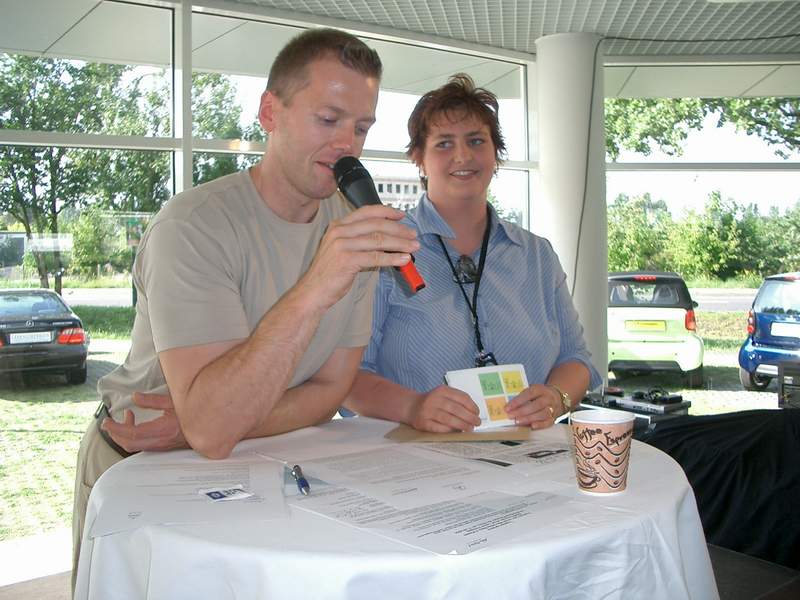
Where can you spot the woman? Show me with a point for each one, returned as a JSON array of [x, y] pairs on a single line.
[[495, 292]]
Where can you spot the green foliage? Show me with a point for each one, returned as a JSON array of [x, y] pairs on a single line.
[[107, 322], [637, 234], [215, 113], [642, 124], [638, 124], [11, 252], [774, 120], [512, 216], [724, 241], [92, 242]]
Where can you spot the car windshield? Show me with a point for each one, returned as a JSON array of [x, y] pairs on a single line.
[[643, 293], [778, 297], [29, 305]]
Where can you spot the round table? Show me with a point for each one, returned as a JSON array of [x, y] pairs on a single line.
[[647, 542]]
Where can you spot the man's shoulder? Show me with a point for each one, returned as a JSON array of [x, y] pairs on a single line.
[[219, 192], [216, 206]]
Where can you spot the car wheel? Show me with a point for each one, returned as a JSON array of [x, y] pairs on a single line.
[[694, 378], [78, 376], [753, 381]]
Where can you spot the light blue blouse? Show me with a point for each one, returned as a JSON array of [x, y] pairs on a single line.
[[525, 310]]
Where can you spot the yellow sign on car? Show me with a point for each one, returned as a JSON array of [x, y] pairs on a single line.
[[646, 325]]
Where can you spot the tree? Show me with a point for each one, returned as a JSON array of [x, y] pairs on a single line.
[[639, 124], [637, 233], [92, 241], [216, 114], [42, 94], [36, 184], [642, 124]]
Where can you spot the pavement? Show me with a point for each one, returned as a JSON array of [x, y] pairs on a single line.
[[28, 558]]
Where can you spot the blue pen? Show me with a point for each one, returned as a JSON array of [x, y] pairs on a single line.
[[302, 482]]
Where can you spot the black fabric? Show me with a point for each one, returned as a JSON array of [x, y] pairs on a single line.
[[745, 471]]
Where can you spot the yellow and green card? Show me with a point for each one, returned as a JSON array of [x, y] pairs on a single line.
[[490, 388]]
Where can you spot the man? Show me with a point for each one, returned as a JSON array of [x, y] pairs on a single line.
[[255, 290]]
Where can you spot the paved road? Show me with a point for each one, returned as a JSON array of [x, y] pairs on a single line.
[[709, 299], [720, 299], [97, 296]]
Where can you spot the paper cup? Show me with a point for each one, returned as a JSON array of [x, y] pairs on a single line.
[[602, 441]]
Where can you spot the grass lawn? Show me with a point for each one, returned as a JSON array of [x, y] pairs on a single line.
[[42, 420], [41, 425], [107, 322]]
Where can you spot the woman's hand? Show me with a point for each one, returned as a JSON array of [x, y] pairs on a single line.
[[444, 409], [537, 406]]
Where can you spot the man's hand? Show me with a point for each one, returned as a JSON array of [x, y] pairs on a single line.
[[444, 409], [366, 238], [162, 433], [536, 406]]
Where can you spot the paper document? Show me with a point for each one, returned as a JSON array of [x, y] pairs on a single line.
[[526, 457], [406, 477], [168, 494], [449, 527], [490, 388]]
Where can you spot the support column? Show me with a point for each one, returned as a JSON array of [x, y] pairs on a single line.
[[569, 207]]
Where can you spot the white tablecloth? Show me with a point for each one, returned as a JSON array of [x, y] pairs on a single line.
[[654, 549]]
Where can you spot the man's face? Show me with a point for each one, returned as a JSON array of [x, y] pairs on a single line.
[[321, 122]]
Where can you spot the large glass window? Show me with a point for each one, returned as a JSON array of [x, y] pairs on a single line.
[[90, 150], [103, 69]]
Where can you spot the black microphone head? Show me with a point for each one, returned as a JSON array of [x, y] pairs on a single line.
[[355, 182], [346, 165]]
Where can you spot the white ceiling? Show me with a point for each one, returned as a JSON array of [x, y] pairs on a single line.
[[119, 32]]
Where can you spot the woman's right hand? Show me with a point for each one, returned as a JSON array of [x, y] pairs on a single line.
[[444, 409]]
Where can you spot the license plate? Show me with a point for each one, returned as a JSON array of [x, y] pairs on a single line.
[[785, 329], [646, 325], [34, 337]]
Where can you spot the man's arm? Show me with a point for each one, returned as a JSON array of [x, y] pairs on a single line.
[[312, 402], [226, 391]]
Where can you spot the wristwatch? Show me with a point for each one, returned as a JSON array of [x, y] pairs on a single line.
[[566, 402]]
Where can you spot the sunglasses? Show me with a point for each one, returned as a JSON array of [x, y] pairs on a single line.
[[466, 271]]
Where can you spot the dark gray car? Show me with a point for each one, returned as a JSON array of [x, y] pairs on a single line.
[[40, 333]]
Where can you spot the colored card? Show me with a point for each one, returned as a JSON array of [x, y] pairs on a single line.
[[491, 388]]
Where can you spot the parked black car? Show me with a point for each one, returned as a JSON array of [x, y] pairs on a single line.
[[40, 333]]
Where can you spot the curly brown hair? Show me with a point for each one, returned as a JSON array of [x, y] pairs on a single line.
[[289, 74], [456, 99]]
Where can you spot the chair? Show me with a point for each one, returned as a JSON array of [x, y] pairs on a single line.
[[665, 295], [620, 294]]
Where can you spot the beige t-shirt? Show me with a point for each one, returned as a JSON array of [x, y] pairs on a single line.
[[210, 265]]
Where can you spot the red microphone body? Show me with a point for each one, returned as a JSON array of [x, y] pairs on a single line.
[[356, 184]]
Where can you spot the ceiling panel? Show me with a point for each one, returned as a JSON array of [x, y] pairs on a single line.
[[516, 25], [118, 32], [32, 26], [109, 31], [688, 81], [784, 81], [614, 79], [240, 47]]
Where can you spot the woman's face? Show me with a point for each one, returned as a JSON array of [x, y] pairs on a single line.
[[458, 159]]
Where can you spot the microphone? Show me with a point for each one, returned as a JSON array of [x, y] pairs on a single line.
[[356, 184]]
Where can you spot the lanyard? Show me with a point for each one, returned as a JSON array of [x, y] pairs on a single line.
[[483, 357]]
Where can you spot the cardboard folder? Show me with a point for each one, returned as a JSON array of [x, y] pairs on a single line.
[[404, 433]]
